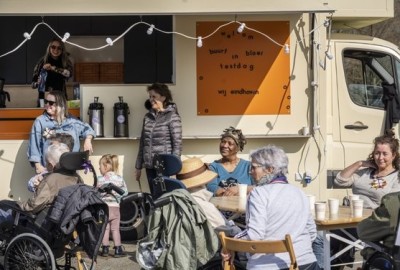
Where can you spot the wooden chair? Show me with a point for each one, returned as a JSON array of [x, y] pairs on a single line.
[[230, 245]]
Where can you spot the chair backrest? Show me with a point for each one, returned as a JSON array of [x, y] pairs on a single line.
[[230, 245], [167, 165], [73, 161]]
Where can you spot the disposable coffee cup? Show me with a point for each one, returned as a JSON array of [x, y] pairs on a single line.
[[41, 103], [311, 200], [353, 197], [320, 208], [333, 206], [242, 190], [357, 207]]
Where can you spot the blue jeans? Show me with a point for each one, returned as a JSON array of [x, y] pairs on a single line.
[[5, 215], [318, 249]]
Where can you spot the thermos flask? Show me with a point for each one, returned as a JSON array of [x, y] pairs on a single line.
[[96, 114], [121, 111]]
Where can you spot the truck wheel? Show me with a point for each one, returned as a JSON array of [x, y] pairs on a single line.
[[132, 226]]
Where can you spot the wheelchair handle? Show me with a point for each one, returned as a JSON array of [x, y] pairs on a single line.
[[109, 187], [162, 201], [133, 197]]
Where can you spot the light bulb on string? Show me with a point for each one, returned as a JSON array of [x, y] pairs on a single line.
[[241, 27], [327, 23], [109, 41], [150, 30], [27, 36], [329, 55], [199, 42], [286, 48], [66, 36]]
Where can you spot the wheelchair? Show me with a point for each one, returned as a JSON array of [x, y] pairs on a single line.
[[166, 166], [34, 241]]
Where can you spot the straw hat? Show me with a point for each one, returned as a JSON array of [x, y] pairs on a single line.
[[195, 173]]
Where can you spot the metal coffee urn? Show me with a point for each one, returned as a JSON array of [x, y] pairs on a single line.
[[121, 111], [96, 114]]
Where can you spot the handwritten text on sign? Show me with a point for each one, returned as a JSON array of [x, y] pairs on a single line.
[[243, 73]]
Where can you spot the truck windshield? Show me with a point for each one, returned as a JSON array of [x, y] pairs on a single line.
[[365, 71]]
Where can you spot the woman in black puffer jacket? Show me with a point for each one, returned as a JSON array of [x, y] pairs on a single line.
[[161, 132]]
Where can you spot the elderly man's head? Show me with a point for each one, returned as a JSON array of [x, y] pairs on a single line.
[[53, 154], [268, 163]]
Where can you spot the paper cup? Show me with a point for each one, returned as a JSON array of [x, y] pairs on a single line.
[[357, 207], [41, 103], [311, 199], [320, 208], [333, 206], [354, 197], [242, 190]]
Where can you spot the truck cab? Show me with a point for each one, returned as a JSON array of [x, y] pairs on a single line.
[[363, 78]]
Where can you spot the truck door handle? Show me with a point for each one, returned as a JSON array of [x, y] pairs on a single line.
[[355, 127]]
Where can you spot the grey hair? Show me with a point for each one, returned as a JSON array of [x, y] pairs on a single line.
[[271, 156], [54, 152]]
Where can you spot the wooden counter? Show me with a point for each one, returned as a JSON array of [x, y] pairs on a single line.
[[16, 123]]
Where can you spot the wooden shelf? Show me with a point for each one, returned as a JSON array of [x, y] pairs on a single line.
[[16, 123]]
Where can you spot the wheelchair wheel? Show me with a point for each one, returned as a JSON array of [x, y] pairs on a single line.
[[132, 221], [28, 251], [380, 261]]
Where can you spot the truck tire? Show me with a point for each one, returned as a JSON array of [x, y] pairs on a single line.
[[132, 225]]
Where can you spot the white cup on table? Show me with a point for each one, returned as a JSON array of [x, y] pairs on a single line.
[[242, 191], [311, 200], [320, 208], [357, 207], [333, 206], [354, 197]]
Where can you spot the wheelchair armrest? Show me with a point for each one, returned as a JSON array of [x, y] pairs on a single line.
[[13, 205]]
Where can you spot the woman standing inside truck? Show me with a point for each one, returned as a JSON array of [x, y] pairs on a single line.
[[53, 69], [378, 175]]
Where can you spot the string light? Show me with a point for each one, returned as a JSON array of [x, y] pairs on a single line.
[[199, 42], [27, 36], [150, 30], [241, 28], [286, 48], [109, 41], [329, 55], [327, 22], [66, 36]]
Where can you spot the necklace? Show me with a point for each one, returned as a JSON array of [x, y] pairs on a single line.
[[378, 181]]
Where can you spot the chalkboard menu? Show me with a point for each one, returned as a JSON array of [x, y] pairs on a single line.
[[243, 73]]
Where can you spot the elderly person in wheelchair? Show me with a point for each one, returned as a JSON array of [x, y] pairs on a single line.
[[31, 232], [48, 188]]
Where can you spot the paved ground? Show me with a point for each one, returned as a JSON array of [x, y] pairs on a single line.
[[127, 262]]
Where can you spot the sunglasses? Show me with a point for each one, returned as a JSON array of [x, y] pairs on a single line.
[[54, 47], [51, 103]]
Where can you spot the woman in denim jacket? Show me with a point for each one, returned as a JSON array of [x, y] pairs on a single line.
[[56, 119]]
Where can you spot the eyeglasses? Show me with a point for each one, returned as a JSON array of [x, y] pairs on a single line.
[[54, 47], [253, 167], [51, 103]]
